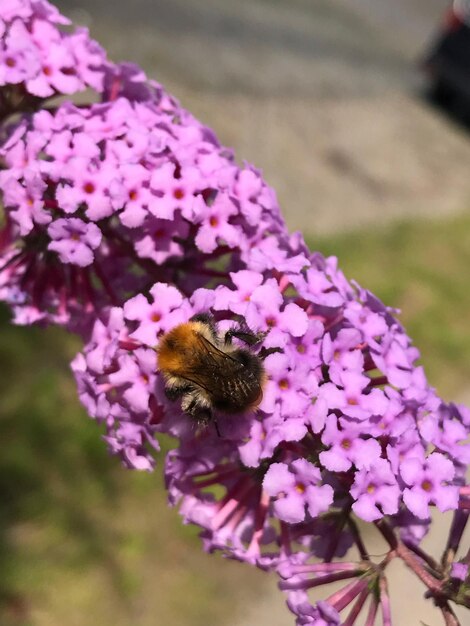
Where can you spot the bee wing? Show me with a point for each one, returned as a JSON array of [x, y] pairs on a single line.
[[209, 367], [224, 377], [213, 353]]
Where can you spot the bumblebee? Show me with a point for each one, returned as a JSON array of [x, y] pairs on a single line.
[[208, 372]]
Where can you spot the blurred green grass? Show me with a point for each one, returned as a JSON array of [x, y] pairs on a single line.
[[83, 541]]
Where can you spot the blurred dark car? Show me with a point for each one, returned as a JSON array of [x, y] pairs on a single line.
[[447, 64]]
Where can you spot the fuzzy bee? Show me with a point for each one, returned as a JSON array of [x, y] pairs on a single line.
[[208, 372]]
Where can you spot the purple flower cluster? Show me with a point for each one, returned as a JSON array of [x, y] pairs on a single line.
[[39, 59], [124, 219], [332, 435], [109, 198]]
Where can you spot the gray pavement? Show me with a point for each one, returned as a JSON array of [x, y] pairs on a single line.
[[408, 23], [260, 47], [319, 94]]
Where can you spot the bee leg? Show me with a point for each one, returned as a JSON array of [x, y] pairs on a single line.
[[244, 335], [265, 352], [195, 406], [202, 413]]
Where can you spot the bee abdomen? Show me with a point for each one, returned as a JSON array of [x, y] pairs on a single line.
[[237, 394]]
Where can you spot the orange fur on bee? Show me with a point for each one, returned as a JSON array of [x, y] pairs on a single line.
[[177, 347]]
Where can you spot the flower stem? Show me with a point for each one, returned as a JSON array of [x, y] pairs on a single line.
[[459, 522], [340, 599], [358, 540], [422, 555], [378, 381], [336, 535], [434, 585], [316, 582], [385, 602], [349, 621], [450, 618], [374, 606]]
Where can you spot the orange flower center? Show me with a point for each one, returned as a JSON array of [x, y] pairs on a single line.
[[88, 187], [178, 194]]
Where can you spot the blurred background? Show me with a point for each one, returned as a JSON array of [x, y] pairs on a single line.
[[327, 98]]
